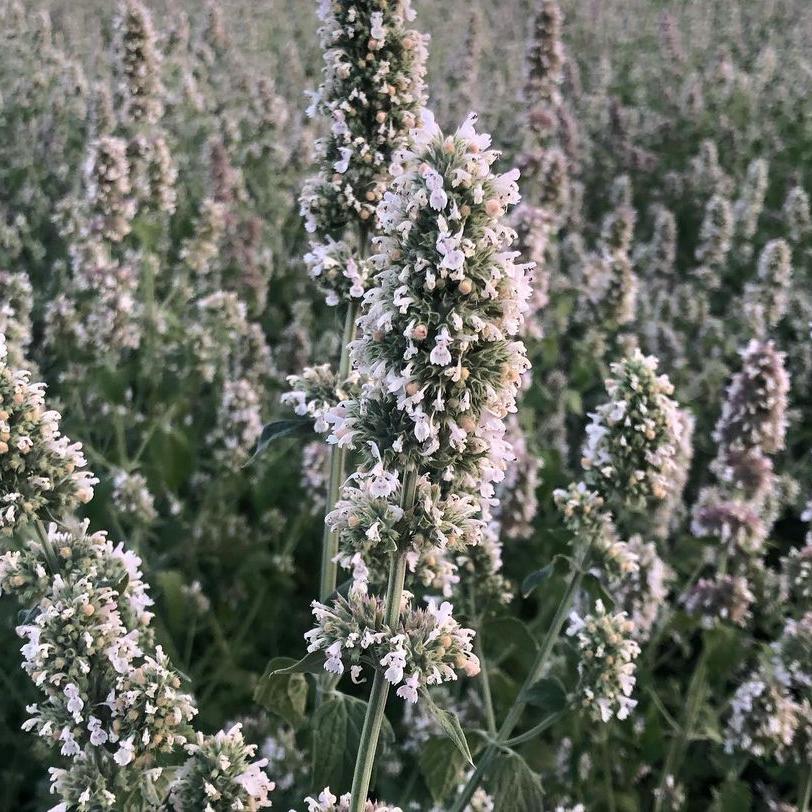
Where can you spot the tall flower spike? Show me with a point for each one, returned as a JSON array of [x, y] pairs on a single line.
[[438, 331], [632, 442], [137, 63], [371, 96]]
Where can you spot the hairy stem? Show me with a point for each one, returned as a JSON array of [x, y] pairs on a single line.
[[365, 760], [338, 469], [676, 751], [536, 672]]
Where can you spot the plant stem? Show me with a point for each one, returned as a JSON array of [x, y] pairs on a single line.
[[487, 697], [607, 774], [370, 734], [696, 690], [547, 721], [338, 466], [519, 705], [805, 790]]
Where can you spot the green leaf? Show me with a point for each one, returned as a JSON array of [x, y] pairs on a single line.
[[441, 764], [514, 786], [311, 663], [283, 694], [289, 427], [503, 636], [548, 694], [337, 725], [734, 796], [560, 565], [597, 591], [450, 725]]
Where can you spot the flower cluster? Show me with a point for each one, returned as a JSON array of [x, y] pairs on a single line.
[[724, 597], [742, 509], [771, 712], [15, 315], [370, 521], [437, 331], [316, 391], [427, 648], [592, 526], [41, 469], [631, 447], [138, 90], [371, 94], [328, 802], [606, 655], [132, 497], [220, 775], [89, 649]]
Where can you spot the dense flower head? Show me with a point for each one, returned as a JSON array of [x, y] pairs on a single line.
[[716, 233], [428, 646], [767, 299], [84, 786], [316, 391], [724, 598], [139, 90], [220, 775], [132, 497], [632, 442], [586, 517], [797, 214], [544, 63], [239, 422], [737, 523], [108, 190], [15, 315], [371, 96], [643, 592], [606, 668], [41, 470], [339, 271], [328, 802], [754, 410], [438, 328], [766, 720], [372, 524]]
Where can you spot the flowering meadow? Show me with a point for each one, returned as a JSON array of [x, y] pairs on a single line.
[[405, 406]]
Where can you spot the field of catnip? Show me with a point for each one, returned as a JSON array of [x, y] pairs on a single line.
[[405, 405]]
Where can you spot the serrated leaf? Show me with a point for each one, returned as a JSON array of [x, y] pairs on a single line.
[[514, 786], [503, 635], [559, 565], [441, 764], [311, 663], [548, 694], [289, 427], [596, 590], [283, 694], [337, 725], [450, 725]]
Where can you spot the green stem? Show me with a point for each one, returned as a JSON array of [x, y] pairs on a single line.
[[805, 790], [679, 743], [536, 672], [487, 697], [534, 731], [338, 469], [365, 760], [607, 775]]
